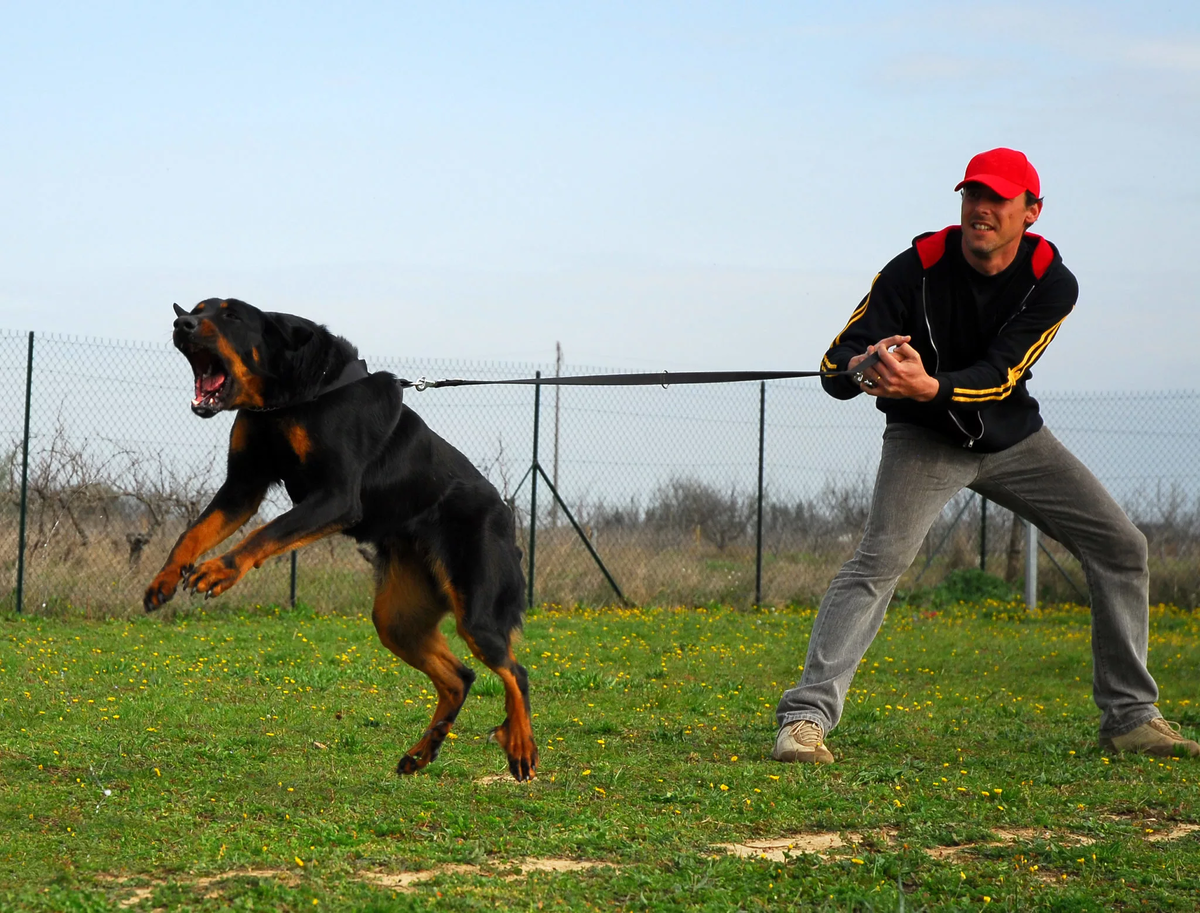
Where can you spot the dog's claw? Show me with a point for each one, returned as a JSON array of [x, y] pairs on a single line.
[[521, 769]]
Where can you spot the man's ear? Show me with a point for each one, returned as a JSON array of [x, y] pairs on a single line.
[[1033, 213], [291, 332]]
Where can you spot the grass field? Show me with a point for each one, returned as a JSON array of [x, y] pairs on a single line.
[[243, 759]]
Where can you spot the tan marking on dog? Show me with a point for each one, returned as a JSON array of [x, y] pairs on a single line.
[[517, 724], [299, 440], [256, 548], [249, 385], [406, 613], [239, 434], [406, 606], [209, 533]]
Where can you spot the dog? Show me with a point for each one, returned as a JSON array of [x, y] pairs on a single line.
[[355, 460]]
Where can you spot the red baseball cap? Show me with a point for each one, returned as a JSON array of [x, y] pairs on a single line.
[[1005, 171]]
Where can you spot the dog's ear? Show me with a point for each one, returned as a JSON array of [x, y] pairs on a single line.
[[179, 312], [292, 332]]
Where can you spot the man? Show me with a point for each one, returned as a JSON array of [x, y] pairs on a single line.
[[957, 320]]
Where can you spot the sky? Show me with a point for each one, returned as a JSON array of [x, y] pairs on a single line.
[[681, 186]]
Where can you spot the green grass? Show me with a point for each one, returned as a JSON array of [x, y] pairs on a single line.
[[238, 744]]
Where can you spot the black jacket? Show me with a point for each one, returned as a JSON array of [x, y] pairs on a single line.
[[977, 335]]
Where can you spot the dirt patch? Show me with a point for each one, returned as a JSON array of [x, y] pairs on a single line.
[[406, 881], [403, 881], [1027, 834], [1009, 836], [281, 874], [1175, 833], [144, 892], [136, 897], [777, 849]]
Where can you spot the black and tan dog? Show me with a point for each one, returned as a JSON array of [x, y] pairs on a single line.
[[355, 460]]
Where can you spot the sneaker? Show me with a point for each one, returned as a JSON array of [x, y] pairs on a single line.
[[802, 741], [1157, 737]]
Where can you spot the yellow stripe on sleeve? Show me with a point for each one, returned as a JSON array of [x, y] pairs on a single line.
[[968, 395], [858, 312]]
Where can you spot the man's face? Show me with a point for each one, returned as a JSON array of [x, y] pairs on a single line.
[[992, 225]]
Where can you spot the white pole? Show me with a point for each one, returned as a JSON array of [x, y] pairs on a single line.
[[1031, 562]]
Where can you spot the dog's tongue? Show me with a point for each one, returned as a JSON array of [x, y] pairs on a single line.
[[208, 385]]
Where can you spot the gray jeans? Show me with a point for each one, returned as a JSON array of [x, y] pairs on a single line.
[[1038, 479]]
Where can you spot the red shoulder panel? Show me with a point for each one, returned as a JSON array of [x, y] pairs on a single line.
[[1043, 256], [932, 247]]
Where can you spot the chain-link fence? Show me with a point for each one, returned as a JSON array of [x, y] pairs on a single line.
[[662, 483]]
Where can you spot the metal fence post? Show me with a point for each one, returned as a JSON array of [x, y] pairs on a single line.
[[537, 415], [24, 479], [762, 421], [293, 586], [982, 533], [1031, 561]]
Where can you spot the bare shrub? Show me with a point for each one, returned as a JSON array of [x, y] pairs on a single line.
[[689, 505]]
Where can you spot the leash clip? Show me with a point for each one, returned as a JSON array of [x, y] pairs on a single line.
[[420, 384]]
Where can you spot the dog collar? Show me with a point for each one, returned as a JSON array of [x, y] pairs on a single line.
[[352, 373]]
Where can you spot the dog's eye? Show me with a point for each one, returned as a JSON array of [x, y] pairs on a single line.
[[229, 315]]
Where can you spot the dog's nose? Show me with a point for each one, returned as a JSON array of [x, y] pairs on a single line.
[[187, 323]]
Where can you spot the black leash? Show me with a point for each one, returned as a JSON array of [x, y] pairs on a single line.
[[662, 378]]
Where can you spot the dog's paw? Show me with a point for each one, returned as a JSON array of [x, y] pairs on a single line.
[[408, 765], [520, 748], [212, 578], [162, 588]]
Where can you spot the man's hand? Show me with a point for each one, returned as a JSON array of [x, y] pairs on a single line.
[[899, 373]]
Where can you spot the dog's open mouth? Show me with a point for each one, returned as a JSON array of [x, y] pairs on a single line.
[[212, 382]]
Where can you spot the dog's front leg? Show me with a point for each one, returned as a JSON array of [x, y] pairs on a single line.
[[316, 517], [234, 504]]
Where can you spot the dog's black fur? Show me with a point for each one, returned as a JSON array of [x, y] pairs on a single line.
[[355, 460]]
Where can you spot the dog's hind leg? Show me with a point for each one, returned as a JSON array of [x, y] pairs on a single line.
[[515, 734], [493, 646], [406, 615], [452, 680]]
